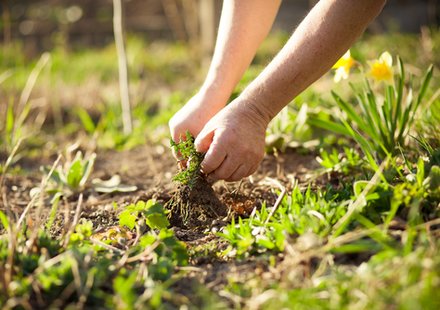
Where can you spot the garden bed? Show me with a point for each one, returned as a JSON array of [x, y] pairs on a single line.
[[343, 212]]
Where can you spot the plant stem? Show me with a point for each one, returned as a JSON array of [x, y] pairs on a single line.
[[122, 65]]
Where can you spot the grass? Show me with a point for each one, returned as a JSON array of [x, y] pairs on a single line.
[[361, 233]]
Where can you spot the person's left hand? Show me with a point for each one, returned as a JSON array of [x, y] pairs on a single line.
[[234, 141]]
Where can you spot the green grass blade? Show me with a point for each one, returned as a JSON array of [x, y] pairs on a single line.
[[4, 220], [9, 119], [86, 120], [364, 144], [425, 83], [406, 122], [370, 127], [400, 86], [376, 120], [351, 113], [328, 125]]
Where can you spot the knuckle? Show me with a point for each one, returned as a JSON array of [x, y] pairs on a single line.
[[222, 173]]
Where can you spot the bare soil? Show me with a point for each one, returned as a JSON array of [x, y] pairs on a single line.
[[151, 169]]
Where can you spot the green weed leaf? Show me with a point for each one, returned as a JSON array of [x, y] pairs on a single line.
[[4, 220], [75, 173], [127, 219]]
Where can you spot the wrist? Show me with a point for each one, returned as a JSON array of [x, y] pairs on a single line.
[[258, 107], [216, 90], [248, 109]]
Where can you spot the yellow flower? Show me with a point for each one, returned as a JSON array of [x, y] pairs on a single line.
[[343, 66], [382, 69]]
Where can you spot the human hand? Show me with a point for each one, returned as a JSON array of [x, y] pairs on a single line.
[[233, 141], [194, 115]]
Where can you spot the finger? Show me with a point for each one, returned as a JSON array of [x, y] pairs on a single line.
[[252, 170], [176, 134], [226, 169], [214, 157], [239, 174], [204, 141]]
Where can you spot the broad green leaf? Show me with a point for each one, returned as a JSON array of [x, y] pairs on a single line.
[[265, 242], [4, 220], [140, 206], [75, 174], [157, 220], [434, 176], [125, 289], [127, 218], [420, 175]]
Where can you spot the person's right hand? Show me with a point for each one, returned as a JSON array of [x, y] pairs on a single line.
[[233, 141], [194, 115]]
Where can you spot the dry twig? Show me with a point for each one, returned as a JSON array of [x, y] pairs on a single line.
[[123, 67]]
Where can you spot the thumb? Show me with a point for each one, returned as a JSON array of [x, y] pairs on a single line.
[[204, 140]]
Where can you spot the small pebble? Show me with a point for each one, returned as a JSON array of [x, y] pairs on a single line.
[[108, 207]]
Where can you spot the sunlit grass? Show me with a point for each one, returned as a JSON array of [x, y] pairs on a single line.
[[361, 234]]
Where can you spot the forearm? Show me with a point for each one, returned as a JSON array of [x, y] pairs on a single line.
[[243, 26], [324, 35]]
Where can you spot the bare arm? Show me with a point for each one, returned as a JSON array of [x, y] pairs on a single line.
[[321, 39], [234, 138], [243, 26]]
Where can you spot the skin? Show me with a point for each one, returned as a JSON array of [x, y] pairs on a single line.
[[233, 136]]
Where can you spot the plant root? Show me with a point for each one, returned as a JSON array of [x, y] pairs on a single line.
[[196, 206]]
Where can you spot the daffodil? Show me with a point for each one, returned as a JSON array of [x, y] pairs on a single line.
[[343, 66], [382, 69]]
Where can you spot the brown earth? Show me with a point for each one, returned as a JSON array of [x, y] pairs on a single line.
[[151, 169]]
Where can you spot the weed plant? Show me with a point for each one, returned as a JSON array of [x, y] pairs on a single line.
[[191, 158], [82, 269]]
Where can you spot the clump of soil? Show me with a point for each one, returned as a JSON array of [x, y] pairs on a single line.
[[195, 206]]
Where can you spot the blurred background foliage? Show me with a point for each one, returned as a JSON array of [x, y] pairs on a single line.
[[45, 24]]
